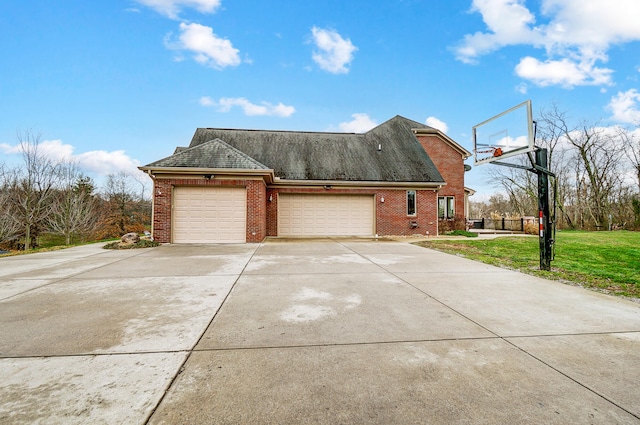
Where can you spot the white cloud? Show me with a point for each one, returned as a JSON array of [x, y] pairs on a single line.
[[207, 101], [361, 123], [54, 150], [626, 107], [575, 35], [207, 47], [508, 23], [513, 142], [437, 124], [251, 109], [562, 72], [97, 162], [591, 23], [522, 88], [171, 8], [104, 163], [333, 53]]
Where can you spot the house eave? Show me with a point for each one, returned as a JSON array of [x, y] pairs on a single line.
[[434, 131], [153, 172]]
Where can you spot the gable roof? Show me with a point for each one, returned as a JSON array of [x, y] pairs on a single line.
[[448, 140], [389, 152], [212, 154]]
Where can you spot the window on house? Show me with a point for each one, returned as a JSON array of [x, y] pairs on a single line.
[[446, 207], [411, 202]]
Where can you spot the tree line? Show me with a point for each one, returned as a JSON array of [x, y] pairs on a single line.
[[43, 196], [597, 169]]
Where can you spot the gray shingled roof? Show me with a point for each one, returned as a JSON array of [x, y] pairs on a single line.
[[318, 156], [211, 154]]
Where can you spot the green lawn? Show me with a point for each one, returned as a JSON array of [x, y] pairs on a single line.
[[606, 261], [51, 242]]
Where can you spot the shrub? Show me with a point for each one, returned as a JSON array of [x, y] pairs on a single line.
[[531, 228], [451, 224], [143, 243]]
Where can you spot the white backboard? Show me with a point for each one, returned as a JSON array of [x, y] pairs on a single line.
[[504, 135]]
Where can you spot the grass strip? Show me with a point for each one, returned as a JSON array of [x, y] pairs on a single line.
[[605, 261]]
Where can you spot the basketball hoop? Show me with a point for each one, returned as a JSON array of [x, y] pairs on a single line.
[[512, 133], [492, 151]]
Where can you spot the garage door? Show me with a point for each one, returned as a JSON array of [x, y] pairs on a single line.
[[209, 215], [325, 215]]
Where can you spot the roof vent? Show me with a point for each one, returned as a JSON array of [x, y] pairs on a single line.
[[379, 147]]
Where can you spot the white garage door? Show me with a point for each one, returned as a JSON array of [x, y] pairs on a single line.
[[209, 215], [325, 215]]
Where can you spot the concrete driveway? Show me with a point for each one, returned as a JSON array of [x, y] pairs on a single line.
[[306, 332]]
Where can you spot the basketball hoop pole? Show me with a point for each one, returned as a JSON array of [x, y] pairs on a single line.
[[495, 137], [545, 233], [545, 230]]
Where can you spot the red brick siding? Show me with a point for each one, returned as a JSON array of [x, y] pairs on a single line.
[[162, 210], [392, 218], [272, 212], [450, 164], [256, 210]]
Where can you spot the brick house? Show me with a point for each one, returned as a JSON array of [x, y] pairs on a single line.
[[233, 186]]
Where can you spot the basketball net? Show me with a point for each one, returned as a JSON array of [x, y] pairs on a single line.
[[495, 152]]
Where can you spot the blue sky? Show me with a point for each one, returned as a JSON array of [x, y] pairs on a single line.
[[116, 84]]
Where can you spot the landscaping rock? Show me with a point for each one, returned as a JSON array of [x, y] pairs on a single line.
[[130, 238]]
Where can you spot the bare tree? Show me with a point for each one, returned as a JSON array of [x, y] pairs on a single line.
[[9, 226], [552, 137], [631, 142], [588, 161], [123, 211], [521, 186], [496, 205], [32, 187], [73, 210], [142, 180], [598, 159]]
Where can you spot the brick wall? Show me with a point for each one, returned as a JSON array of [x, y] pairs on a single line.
[[162, 210], [392, 218], [272, 212], [256, 210], [450, 164]]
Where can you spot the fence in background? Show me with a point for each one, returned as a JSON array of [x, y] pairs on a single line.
[[512, 224]]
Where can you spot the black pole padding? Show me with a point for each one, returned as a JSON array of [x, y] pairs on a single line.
[[545, 235]]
